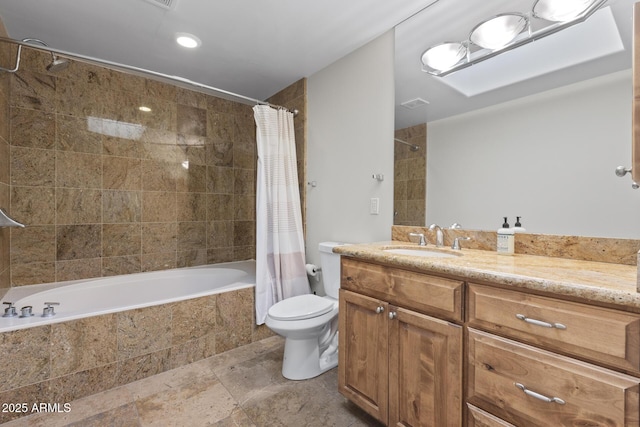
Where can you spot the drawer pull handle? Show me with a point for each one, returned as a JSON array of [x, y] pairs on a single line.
[[392, 315], [539, 396], [379, 309], [540, 322]]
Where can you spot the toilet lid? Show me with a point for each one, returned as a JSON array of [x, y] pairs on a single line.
[[300, 307]]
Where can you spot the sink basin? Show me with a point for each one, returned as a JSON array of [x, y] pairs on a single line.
[[421, 252]]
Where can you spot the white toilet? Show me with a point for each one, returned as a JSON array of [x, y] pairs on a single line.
[[309, 323]]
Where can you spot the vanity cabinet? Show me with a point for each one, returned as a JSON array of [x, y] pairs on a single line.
[[401, 365], [540, 361], [422, 350], [528, 386]]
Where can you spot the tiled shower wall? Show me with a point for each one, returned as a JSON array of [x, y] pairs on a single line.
[[410, 176], [108, 189], [4, 160]]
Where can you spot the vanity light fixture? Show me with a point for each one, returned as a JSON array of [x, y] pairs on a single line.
[[499, 31], [188, 40], [444, 56], [507, 31], [560, 10]]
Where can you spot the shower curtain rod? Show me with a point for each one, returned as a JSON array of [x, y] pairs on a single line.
[[413, 146], [144, 71]]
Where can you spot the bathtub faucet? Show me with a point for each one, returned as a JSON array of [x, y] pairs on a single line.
[[49, 311], [10, 311]]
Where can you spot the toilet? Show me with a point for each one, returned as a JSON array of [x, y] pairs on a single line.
[[309, 323]]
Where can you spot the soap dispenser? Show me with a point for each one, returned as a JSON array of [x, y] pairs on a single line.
[[506, 239], [517, 227]]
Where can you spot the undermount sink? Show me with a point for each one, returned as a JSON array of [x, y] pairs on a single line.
[[421, 252]]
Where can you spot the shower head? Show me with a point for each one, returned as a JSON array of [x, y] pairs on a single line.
[[58, 64]]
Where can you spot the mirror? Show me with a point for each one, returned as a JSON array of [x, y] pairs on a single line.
[[544, 146]]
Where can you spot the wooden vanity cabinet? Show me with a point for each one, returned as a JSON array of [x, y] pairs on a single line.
[[528, 360], [541, 361], [401, 366], [528, 386]]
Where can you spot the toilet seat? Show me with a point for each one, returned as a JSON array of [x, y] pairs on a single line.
[[301, 307]]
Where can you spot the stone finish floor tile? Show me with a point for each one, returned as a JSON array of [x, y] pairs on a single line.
[[242, 387]]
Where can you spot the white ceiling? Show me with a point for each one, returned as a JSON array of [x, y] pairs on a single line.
[[251, 47], [256, 48]]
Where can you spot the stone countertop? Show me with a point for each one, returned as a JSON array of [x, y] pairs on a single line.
[[588, 281]]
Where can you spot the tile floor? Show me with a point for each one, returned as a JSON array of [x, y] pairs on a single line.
[[241, 387]]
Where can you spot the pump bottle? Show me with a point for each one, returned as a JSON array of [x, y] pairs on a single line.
[[506, 239]]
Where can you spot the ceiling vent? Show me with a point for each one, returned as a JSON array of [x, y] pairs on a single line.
[[414, 103], [164, 4]]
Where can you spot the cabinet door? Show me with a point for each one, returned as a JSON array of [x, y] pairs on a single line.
[[363, 375], [425, 370]]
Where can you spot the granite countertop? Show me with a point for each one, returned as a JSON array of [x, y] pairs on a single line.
[[589, 281]]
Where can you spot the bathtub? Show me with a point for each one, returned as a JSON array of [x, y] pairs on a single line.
[[92, 297]]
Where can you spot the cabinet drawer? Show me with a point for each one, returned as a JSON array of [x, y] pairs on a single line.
[[479, 418], [601, 335], [422, 292], [511, 379]]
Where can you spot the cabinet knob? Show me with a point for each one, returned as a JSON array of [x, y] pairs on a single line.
[[379, 309], [393, 315]]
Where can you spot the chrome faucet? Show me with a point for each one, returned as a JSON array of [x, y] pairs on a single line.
[[456, 242], [439, 234], [422, 241]]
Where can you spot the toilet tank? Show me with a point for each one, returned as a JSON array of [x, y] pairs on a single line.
[[330, 264]]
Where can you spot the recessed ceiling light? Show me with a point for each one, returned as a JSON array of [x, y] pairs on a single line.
[[188, 40], [144, 108]]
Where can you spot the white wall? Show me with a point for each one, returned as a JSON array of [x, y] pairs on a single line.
[[549, 158], [350, 137]]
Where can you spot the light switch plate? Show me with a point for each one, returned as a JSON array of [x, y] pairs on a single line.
[[374, 208]]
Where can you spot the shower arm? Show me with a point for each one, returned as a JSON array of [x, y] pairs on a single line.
[[413, 146], [134, 70]]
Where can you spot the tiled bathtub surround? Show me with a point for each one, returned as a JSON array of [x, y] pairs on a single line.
[[4, 161], [65, 361], [108, 189]]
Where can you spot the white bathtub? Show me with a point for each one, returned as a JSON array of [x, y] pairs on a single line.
[[92, 297]]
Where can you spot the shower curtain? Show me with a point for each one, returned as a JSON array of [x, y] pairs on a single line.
[[280, 256]]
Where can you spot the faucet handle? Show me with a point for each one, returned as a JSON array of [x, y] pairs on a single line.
[[456, 242], [10, 311], [49, 311], [26, 311], [422, 241]]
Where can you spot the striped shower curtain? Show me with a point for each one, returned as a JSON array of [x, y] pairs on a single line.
[[280, 256]]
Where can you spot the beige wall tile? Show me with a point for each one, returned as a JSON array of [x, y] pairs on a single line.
[[143, 331], [83, 344], [78, 206], [32, 128], [121, 206], [25, 357], [78, 241], [32, 167]]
